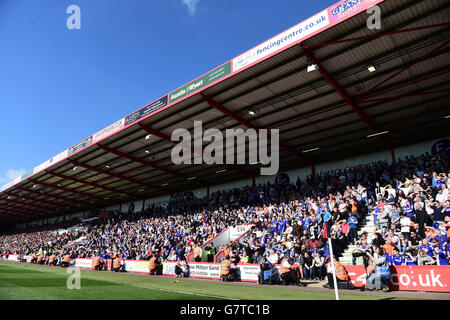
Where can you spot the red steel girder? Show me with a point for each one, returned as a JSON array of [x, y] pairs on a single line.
[[22, 206], [418, 60], [23, 211], [164, 136], [92, 184], [351, 102], [37, 200], [150, 164], [408, 95], [118, 175], [13, 213], [420, 116], [377, 35], [248, 124], [84, 194], [407, 84], [49, 195]]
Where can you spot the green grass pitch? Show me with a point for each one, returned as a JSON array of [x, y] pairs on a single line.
[[19, 281]]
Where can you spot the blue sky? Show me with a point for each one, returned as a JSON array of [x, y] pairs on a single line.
[[58, 86]]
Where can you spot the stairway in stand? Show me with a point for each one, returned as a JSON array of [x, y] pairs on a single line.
[[368, 225]]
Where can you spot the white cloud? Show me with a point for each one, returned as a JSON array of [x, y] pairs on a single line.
[[11, 174], [192, 6]]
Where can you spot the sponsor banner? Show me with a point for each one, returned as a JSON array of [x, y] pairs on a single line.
[[26, 175], [412, 278], [52, 161], [12, 257], [201, 82], [284, 39], [81, 145], [16, 181], [109, 130], [248, 272], [145, 111], [6, 186], [196, 270], [237, 231], [136, 266], [82, 263], [347, 8]]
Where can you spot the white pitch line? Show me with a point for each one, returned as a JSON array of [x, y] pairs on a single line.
[[182, 292]]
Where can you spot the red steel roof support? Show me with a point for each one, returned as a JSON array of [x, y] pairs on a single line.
[[36, 200], [167, 138], [92, 184], [149, 164], [22, 206], [118, 175], [351, 102], [419, 94], [49, 195], [248, 124], [377, 35], [422, 58], [84, 194], [401, 124]]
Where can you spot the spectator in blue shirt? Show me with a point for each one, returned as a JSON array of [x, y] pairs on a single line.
[[353, 222], [397, 259]]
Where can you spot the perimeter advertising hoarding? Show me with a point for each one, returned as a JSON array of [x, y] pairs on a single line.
[[83, 263], [145, 111], [409, 278], [201, 82], [249, 272], [404, 278], [81, 145]]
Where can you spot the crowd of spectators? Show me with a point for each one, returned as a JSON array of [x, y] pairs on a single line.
[[408, 200]]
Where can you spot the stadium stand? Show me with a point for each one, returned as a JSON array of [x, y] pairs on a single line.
[[408, 201], [329, 91]]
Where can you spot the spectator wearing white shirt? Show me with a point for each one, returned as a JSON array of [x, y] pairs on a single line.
[[273, 257], [441, 197], [405, 224]]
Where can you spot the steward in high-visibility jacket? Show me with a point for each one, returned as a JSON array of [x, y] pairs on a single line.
[[116, 264], [225, 268], [52, 259], [341, 275], [66, 260], [154, 266], [288, 272], [98, 263], [197, 254]]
